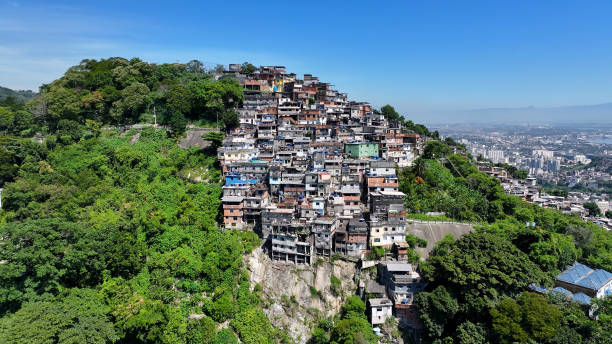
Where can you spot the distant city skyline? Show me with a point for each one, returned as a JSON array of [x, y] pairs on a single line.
[[424, 58]]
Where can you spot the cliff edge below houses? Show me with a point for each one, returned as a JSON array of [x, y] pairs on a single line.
[[297, 297]]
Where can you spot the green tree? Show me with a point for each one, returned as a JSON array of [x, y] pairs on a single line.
[[470, 333], [436, 309], [529, 318], [135, 99], [42, 257], [61, 103], [435, 150], [79, 316], [201, 331], [592, 208], [414, 241], [319, 336], [178, 124], [247, 68], [354, 307], [390, 114], [253, 327], [353, 330], [225, 336], [69, 131], [178, 99], [230, 120], [485, 260]]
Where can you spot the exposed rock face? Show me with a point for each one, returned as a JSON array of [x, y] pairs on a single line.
[[298, 296]]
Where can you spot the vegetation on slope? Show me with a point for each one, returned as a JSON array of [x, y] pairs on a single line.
[[12, 96], [120, 91], [478, 290], [104, 239], [115, 222], [350, 327]]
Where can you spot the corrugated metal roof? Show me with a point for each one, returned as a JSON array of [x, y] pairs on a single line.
[[582, 298], [232, 199], [392, 267], [562, 291], [538, 288], [584, 276], [578, 297]]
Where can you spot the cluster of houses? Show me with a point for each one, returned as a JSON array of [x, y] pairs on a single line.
[[311, 171], [316, 175], [523, 188], [528, 190]]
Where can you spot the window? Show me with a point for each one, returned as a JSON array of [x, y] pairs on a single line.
[[376, 239]]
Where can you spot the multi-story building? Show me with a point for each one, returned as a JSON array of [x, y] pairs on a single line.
[[304, 168]]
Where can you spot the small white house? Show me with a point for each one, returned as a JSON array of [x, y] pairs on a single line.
[[380, 310]]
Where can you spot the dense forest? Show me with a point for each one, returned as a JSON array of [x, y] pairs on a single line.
[[120, 91], [106, 238]]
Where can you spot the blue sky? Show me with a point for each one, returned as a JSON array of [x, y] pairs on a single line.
[[417, 55]]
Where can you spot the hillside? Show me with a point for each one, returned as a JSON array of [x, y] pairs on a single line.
[[20, 96], [110, 231], [477, 280], [113, 235]]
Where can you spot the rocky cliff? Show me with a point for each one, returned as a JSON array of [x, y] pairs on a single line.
[[298, 296]]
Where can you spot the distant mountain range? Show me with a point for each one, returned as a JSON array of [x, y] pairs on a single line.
[[20, 95], [600, 113]]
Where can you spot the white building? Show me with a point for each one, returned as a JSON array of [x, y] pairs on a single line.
[[380, 310], [496, 156]]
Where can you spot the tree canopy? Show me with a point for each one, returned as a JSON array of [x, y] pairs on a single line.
[[112, 229], [351, 328], [477, 290], [121, 91]]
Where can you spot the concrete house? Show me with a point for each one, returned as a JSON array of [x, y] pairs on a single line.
[[401, 280], [323, 229], [361, 150], [357, 238], [380, 310]]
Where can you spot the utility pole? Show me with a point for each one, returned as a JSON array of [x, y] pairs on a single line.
[[154, 117]]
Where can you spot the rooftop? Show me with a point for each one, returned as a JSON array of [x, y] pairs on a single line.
[[382, 301], [582, 275], [399, 267], [232, 199], [375, 288]]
